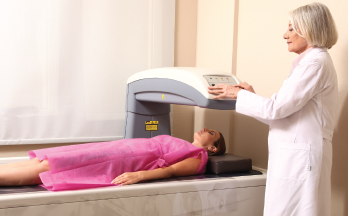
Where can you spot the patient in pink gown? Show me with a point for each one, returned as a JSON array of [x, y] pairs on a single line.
[[120, 162]]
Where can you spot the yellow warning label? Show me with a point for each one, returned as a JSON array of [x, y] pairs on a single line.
[[151, 128], [163, 97], [151, 125]]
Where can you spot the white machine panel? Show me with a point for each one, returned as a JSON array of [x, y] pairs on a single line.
[[198, 78]]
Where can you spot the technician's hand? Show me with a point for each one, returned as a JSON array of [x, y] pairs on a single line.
[[127, 178], [245, 86], [223, 90]]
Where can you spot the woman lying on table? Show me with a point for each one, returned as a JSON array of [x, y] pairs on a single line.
[[118, 162]]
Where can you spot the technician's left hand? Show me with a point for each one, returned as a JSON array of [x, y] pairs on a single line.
[[223, 90], [127, 178]]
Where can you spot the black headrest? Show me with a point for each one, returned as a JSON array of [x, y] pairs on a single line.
[[228, 163]]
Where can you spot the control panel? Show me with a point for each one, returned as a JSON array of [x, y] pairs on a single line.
[[219, 79]]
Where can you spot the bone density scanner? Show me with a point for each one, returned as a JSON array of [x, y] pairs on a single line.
[[150, 93], [148, 99]]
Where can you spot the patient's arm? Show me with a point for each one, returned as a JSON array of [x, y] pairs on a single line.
[[186, 167]]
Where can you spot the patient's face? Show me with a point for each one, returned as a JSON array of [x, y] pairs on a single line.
[[206, 137]]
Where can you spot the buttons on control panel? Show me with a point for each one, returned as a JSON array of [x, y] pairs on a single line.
[[218, 79]]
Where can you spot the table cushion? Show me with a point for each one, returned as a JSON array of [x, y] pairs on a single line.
[[228, 163]]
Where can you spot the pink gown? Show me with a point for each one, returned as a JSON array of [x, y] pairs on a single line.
[[97, 164]]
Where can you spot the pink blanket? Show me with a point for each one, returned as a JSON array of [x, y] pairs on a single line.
[[97, 164]]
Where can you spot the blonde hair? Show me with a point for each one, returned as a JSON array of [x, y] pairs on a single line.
[[314, 22]]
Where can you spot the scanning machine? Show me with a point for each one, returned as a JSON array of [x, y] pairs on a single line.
[[149, 95]]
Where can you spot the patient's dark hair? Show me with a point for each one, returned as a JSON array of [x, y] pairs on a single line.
[[220, 145]]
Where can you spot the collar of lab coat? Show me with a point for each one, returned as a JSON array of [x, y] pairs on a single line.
[[299, 58], [307, 56], [312, 53]]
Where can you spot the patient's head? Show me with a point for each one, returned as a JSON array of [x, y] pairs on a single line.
[[210, 140]]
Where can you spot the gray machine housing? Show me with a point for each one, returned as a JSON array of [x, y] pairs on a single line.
[[149, 100]]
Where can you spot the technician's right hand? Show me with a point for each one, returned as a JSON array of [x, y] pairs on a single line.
[[223, 90]]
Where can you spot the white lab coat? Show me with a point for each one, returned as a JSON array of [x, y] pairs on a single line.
[[301, 119]]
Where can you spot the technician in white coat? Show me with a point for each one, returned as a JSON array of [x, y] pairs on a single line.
[[300, 116]]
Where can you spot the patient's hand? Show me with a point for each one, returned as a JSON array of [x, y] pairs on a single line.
[[186, 167], [127, 178]]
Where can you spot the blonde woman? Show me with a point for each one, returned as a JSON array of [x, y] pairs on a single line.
[[301, 117]]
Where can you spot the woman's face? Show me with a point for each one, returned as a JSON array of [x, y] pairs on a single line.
[[206, 137], [296, 43]]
